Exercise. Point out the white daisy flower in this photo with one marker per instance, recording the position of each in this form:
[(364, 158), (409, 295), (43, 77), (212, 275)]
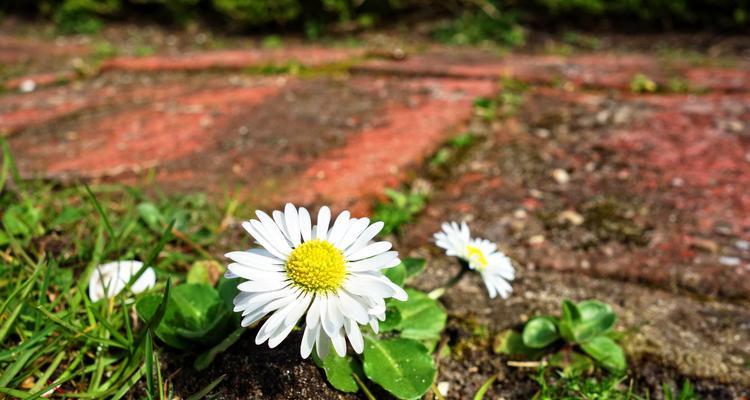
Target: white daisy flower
[(334, 275), (109, 279), (480, 254)]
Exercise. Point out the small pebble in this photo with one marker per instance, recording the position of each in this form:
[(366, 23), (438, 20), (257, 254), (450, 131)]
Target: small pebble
[(561, 176), (571, 217), (520, 213), (542, 133), (27, 86), (729, 261), (736, 126), (705, 245), (443, 387), (536, 240)]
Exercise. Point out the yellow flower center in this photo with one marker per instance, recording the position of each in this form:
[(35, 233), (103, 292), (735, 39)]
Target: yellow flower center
[(316, 266), (475, 254)]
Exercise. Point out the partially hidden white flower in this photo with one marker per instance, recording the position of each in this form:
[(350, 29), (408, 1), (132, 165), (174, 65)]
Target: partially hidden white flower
[(109, 279), (333, 275), (480, 254)]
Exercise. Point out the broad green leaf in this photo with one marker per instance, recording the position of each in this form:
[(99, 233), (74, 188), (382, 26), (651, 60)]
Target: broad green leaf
[(570, 316), (511, 343), (607, 352), (146, 307), (596, 319), (200, 312), (227, 289), (404, 367), (392, 317), (339, 371), (195, 314), (422, 318), (414, 266), (396, 274), (570, 311), (540, 332)]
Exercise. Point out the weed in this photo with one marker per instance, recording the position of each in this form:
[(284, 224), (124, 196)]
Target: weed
[(400, 209)]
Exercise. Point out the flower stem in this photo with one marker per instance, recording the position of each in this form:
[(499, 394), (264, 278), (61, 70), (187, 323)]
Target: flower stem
[(437, 293), (362, 386)]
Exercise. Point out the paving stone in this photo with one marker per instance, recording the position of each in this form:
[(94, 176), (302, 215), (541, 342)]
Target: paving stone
[(644, 188), (232, 59), (351, 175), (599, 70), (18, 50)]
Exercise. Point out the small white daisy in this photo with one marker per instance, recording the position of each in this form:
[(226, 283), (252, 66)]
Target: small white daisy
[(109, 279), (334, 275), (480, 254)]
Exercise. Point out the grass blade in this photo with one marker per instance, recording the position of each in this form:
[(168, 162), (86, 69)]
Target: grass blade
[(207, 389), (205, 359), (484, 388), (101, 212), (149, 365)]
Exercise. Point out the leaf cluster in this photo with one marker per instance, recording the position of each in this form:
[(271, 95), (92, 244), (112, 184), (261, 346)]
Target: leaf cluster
[(582, 336)]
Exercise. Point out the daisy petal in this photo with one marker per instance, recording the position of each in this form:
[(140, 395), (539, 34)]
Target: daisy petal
[(355, 336), (370, 250), (324, 218), (292, 223), (373, 263), (365, 237), (305, 225), (339, 227)]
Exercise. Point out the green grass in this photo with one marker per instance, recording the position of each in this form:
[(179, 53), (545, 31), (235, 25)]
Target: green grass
[(51, 239), (555, 385), (400, 209)]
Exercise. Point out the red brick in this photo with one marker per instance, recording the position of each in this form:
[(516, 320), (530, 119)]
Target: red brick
[(353, 175), (230, 59), (140, 138)]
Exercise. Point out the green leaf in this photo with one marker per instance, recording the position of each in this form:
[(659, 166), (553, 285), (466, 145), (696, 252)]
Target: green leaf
[(392, 317), (607, 352), (422, 318), (145, 307), (151, 216), (396, 274), (227, 289), (596, 319), (339, 371), (404, 367), (414, 266), (570, 316), (198, 273), (540, 332), (195, 314), (200, 313), (570, 311), (511, 343)]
